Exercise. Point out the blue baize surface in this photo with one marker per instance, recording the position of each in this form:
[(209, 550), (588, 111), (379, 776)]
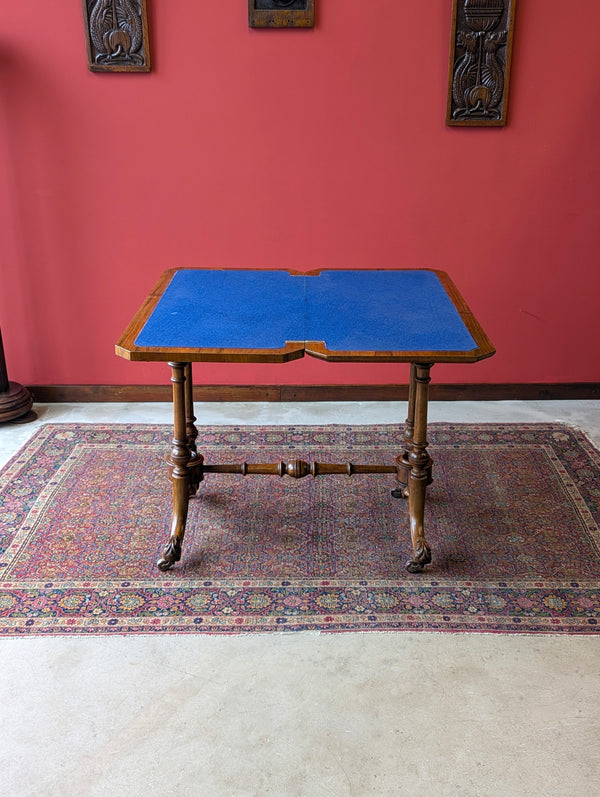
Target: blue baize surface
[(347, 310)]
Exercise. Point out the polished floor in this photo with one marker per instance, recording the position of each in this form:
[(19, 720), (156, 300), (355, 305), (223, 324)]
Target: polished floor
[(295, 715)]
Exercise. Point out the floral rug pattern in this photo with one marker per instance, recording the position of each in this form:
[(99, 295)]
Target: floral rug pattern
[(512, 517)]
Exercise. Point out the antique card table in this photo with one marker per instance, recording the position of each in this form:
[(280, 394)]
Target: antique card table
[(415, 316)]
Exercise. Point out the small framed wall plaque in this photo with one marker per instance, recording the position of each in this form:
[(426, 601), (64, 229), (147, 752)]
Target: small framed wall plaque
[(480, 55), (281, 13), (116, 35)]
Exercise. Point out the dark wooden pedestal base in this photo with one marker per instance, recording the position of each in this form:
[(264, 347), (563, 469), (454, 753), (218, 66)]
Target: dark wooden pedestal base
[(16, 404)]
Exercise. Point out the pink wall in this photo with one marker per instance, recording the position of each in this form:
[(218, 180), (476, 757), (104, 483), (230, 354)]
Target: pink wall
[(297, 149)]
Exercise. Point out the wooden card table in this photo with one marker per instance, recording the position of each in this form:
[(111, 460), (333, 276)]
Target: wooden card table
[(257, 316)]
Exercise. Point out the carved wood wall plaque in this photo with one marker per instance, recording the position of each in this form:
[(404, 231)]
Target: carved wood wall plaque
[(116, 33), (281, 13), (480, 55)]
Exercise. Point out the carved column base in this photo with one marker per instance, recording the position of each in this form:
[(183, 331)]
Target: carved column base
[(402, 477), (16, 404)]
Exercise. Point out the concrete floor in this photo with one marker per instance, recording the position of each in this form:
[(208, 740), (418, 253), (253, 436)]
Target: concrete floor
[(302, 714)]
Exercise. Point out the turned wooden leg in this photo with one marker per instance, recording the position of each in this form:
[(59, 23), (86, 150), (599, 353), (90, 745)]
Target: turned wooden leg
[(196, 460), (179, 472), (401, 490), (190, 418), (420, 472)]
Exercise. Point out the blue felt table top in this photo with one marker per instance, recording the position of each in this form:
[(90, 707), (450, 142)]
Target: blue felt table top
[(348, 310)]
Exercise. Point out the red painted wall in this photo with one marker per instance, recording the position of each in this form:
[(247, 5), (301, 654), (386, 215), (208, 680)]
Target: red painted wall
[(297, 149)]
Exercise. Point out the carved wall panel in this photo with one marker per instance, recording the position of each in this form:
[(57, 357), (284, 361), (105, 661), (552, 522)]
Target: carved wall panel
[(281, 13), (116, 33), (480, 55)]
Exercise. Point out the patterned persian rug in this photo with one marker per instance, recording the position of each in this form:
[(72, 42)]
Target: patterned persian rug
[(512, 518)]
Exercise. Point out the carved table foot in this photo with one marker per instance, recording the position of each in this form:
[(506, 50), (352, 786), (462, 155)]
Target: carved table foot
[(416, 508), (170, 555), (421, 557)]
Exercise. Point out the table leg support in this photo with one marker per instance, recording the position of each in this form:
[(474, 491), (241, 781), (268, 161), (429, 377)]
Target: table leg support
[(178, 467), (196, 460), (420, 470), (401, 490)]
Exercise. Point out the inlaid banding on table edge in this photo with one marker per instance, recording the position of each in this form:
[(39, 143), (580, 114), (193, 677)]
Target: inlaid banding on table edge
[(343, 314)]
